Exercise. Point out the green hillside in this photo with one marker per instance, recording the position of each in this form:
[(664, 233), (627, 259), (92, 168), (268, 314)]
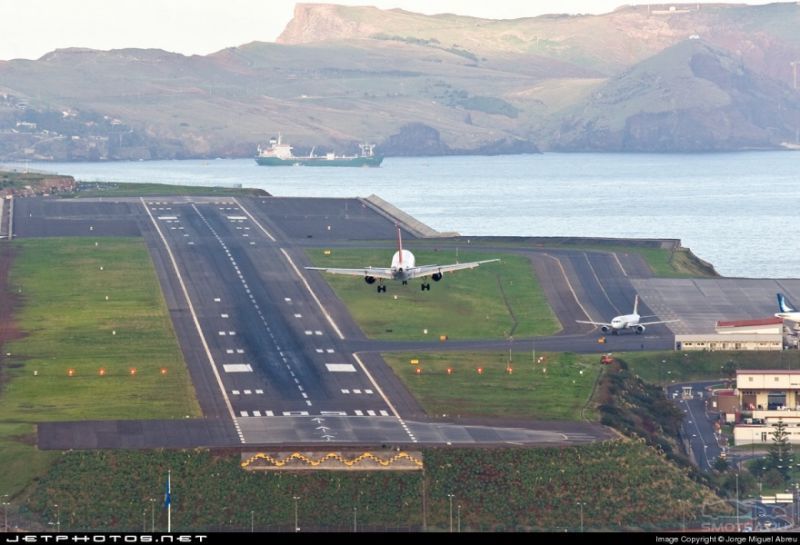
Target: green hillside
[(416, 84)]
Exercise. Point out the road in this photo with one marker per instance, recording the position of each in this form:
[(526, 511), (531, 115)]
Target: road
[(697, 428)]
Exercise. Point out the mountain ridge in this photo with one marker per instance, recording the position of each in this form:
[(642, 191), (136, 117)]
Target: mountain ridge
[(343, 75)]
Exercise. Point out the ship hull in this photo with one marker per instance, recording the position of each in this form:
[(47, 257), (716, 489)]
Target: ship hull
[(371, 161)]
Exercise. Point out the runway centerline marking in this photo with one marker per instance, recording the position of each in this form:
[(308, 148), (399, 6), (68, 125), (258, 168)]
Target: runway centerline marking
[(196, 321), (252, 301)]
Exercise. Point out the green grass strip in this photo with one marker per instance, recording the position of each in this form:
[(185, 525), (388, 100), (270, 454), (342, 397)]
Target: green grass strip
[(493, 301)]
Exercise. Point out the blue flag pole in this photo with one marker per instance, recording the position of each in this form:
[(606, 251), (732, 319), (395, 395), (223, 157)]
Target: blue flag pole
[(168, 502)]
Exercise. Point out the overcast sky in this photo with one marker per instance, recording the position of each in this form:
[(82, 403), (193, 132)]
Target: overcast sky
[(31, 28)]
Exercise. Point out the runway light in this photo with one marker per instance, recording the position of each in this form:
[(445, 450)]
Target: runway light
[(133, 371), (70, 372), (163, 370), (449, 370), (419, 370), (509, 370), (102, 372), (480, 370), (414, 362)]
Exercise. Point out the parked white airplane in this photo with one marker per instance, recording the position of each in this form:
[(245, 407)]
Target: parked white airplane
[(787, 311), (403, 268), (626, 321)]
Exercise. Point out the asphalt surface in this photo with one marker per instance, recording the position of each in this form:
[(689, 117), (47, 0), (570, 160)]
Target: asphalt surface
[(699, 303), (276, 358)]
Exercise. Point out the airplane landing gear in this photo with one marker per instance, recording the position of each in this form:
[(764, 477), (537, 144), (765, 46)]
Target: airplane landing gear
[(424, 287), (381, 288)]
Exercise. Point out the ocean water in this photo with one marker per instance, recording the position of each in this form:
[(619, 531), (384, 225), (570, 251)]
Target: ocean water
[(736, 210)]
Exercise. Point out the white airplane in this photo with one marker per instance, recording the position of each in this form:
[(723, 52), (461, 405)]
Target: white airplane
[(403, 268), (627, 321), (787, 311)]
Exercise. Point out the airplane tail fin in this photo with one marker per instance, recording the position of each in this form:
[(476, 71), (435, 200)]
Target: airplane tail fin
[(399, 244), (783, 304), (636, 304)]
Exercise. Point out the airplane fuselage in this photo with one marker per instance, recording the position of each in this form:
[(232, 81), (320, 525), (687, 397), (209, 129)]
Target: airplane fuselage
[(626, 321), (402, 261)]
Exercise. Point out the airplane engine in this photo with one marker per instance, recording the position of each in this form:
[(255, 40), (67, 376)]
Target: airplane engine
[(436, 276), (369, 279), (605, 329), (640, 329)]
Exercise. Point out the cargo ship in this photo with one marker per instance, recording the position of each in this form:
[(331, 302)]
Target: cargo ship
[(280, 154)]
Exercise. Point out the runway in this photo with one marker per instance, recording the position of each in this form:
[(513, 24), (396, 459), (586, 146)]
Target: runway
[(275, 357)]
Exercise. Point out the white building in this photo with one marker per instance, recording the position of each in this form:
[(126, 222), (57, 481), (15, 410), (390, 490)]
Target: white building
[(760, 334)]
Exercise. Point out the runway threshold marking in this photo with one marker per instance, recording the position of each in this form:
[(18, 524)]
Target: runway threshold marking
[(569, 285), (196, 322)]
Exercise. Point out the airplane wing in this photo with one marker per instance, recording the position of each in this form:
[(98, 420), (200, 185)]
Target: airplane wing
[(427, 270), (376, 272), (661, 322), (593, 323)]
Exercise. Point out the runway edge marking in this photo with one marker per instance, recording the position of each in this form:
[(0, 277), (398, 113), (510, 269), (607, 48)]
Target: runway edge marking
[(297, 272), (196, 323), (624, 272), (314, 295), (569, 284), (249, 215), (383, 395)]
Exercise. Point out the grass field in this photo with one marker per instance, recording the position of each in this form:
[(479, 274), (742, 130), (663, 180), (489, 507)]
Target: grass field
[(120, 189), (21, 461), (557, 388), (623, 484), (494, 300), (69, 325), (668, 367)]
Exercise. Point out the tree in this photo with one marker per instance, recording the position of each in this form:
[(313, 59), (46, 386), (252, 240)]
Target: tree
[(730, 370), (780, 451)]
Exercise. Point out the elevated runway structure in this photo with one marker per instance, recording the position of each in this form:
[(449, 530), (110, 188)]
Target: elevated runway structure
[(275, 357)]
